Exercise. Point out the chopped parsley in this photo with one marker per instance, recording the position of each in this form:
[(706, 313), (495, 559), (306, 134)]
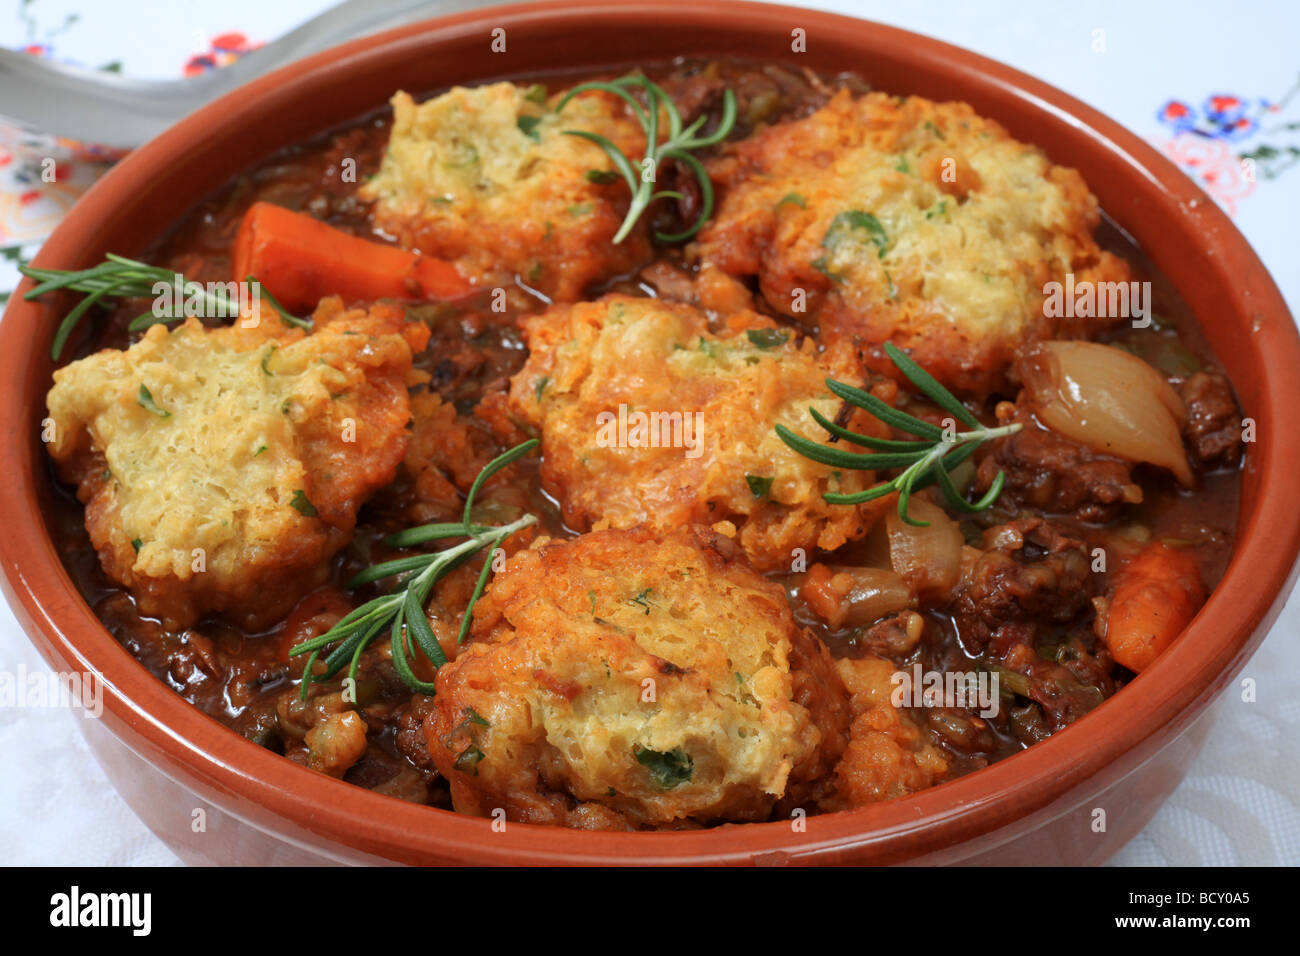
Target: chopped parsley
[(667, 770), (640, 600), (137, 543), (759, 486), (794, 199), (302, 505), (145, 400), (602, 177), (528, 126), (822, 265), (847, 224), (767, 338), (468, 760)]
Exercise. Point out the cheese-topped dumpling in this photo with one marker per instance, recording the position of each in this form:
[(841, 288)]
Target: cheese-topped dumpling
[(489, 178), (897, 219), (222, 468), (648, 417), (626, 680)]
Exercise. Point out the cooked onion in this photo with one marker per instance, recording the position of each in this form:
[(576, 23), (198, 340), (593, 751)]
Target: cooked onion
[(929, 559), (874, 592), (854, 596), (1108, 399)]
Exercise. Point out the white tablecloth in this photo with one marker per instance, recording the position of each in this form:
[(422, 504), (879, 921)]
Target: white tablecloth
[(1157, 68)]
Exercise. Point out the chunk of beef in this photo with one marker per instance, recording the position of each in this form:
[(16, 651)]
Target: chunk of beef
[(1031, 573), (1048, 472), (1213, 428)]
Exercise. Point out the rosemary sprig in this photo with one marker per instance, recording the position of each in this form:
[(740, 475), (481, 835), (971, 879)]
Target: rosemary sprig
[(401, 612), (677, 146), (924, 462), (118, 278)]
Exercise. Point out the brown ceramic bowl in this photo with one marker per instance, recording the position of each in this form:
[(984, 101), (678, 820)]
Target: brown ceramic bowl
[(168, 759)]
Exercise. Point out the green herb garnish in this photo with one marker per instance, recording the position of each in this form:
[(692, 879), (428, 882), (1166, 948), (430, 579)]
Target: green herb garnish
[(767, 338), (759, 486), (640, 599), (302, 505), (467, 760), (118, 278), (285, 316), (794, 199), (844, 226), (528, 126), (114, 279), (667, 770), (931, 459), (144, 398), (401, 611), (640, 177)]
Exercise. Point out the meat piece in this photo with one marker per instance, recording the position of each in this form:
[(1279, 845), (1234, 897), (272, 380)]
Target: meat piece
[(409, 739), (1048, 472), (671, 282), (893, 637), (1213, 428), (1030, 573), (698, 89)]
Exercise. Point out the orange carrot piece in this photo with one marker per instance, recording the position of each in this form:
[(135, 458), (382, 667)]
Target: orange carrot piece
[(301, 260), (1156, 596)]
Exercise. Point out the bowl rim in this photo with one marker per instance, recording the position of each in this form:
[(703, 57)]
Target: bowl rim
[(1016, 793)]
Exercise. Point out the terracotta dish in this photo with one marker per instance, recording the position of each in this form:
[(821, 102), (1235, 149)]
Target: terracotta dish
[(1037, 806)]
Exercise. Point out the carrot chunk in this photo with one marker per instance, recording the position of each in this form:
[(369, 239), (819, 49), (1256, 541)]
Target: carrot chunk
[(1156, 596), (301, 260)]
